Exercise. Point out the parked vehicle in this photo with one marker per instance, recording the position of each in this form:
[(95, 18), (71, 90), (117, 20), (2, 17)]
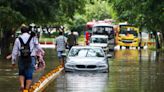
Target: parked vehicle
[(127, 35), (99, 27), (100, 41), (88, 31), (106, 30), (86, 58)]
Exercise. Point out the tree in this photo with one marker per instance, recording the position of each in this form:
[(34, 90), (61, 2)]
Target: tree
[(99, 10), (10, 21), (93, 10), (14, 12), (144, 13)]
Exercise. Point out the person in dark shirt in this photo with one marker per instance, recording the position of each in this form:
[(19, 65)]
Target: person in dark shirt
[(71, 41)]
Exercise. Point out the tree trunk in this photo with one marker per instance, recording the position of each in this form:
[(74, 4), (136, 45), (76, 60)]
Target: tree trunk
[(0, 45), (0, 40), (5, 43)]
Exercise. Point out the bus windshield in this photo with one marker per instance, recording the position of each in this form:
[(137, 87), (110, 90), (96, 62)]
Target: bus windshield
[(125, 32), (104, 30)]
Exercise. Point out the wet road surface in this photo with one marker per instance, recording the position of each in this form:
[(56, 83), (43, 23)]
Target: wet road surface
[(9, 76), (130, 71)]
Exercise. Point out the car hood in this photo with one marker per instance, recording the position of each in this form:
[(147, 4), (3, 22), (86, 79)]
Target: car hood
[(86, 60), (98, 44)]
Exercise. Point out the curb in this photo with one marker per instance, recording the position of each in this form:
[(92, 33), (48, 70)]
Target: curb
[(45, 80)]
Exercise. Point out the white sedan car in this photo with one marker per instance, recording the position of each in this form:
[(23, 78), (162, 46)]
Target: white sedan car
[(86, 58)]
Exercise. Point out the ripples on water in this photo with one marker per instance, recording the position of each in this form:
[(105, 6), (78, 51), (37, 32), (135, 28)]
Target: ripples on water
[(130, 71)]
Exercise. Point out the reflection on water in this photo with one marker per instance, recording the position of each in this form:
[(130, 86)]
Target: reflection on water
[(80, 82), (130, 71), (8, 77), (137, 71), (136, 55), (127, 55)]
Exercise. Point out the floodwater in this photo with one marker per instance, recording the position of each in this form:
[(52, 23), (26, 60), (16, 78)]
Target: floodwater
[(130, 71), (9, 76)]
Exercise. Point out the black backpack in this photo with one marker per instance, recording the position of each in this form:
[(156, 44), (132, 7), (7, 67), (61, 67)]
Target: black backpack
[(25, 48)]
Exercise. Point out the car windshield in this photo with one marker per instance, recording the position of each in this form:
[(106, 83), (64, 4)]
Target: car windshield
[(98, 40), (86, 52)]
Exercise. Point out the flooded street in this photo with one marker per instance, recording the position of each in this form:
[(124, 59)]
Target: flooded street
[(130, 71), (9, 76), (81, 46)]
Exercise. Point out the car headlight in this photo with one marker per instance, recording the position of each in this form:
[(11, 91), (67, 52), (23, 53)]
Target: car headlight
[(102, 66)]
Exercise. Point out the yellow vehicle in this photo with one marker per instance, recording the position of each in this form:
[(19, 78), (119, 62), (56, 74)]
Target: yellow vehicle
[(127, 35)]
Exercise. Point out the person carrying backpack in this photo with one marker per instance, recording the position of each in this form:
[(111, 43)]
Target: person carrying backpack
[(24, 50)]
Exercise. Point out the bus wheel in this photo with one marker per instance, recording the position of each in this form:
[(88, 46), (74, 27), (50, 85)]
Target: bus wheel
[(141, 47), (120, 47)]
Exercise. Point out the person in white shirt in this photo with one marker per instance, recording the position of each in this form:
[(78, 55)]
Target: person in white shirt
[(26, 70), (60, 45)]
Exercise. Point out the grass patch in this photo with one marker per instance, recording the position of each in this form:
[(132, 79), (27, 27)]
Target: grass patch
[(80, 39), (46, 39)]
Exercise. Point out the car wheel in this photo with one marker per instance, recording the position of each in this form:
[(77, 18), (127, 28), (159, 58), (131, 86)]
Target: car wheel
[(106, 71)]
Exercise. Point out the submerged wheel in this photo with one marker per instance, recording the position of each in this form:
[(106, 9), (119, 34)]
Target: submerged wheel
[(127, 47)]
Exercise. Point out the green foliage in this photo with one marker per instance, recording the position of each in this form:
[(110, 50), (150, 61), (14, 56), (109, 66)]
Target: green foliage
[(10, 18), (51, 35), (99, 10), (45, 11), (15, 12), (94, 9), (144, 13), (64, 12), (78, 23)]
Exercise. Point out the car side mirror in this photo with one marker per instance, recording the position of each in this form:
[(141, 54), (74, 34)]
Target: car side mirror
[(64, 54), (109, 55)]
